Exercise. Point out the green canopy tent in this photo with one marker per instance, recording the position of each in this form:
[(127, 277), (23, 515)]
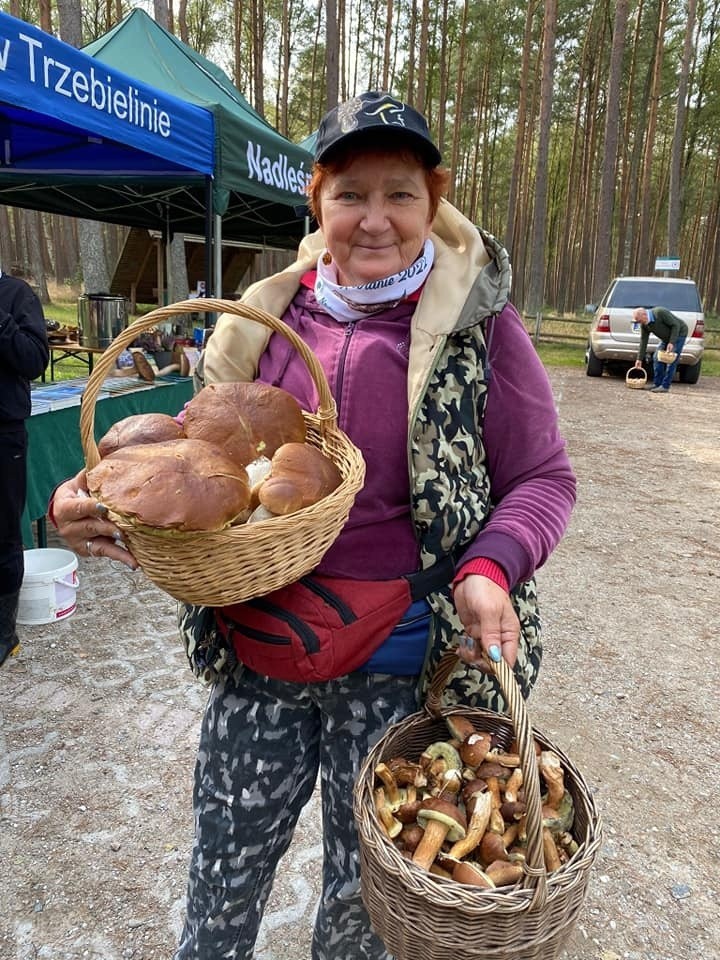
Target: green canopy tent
[(259, 176)]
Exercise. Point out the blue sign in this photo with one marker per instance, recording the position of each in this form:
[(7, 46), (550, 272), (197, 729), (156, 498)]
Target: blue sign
[(61, 109)]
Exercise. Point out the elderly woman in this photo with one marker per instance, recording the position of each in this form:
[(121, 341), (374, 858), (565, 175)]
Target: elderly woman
[(468, 490)]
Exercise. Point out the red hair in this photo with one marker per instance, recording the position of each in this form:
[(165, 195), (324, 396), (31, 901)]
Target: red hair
[(437, 178)]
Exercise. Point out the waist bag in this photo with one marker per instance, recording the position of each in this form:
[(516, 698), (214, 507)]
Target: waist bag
[(323, 627)]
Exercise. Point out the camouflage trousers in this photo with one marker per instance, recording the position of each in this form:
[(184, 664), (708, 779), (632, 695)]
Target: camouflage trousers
[(261, 746)]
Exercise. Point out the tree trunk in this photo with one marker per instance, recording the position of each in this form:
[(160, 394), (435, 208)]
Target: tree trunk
[(676, 192), (422, 57), (459, 91), (521, 135), (160, 12), (608, 182), (385, 84), (644, 254), (258, 55), (537, 247), (34, 232), (332, 77), (96, 276)]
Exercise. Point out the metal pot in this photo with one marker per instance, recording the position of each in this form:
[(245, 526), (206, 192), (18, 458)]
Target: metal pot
[(101, 317)]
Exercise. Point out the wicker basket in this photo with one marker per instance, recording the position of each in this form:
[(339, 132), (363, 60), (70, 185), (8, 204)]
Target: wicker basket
[(418, 914), (666, 356), (635, 378), (248, 560)]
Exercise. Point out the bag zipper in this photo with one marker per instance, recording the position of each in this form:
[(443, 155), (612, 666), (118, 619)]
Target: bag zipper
[(346, 614), (308, 637)]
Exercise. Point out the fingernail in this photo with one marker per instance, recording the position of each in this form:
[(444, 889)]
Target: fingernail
[(495, 654)]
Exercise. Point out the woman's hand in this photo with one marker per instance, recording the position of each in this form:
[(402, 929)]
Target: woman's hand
[(82, 523), (489, 619), (638, 364)]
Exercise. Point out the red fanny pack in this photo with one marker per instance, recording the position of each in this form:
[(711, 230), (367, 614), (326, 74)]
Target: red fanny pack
[(322, 627)]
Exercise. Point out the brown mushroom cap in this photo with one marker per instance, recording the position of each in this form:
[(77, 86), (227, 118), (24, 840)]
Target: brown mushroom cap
[(173, 485), (471, 873), (247, 420), (139, 428), (460, 727), (504, 874), (445, 812), (475, 748)]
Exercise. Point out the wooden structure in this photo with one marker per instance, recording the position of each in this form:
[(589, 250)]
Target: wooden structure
[(140, 271)]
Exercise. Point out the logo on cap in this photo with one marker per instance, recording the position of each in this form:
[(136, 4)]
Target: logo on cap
[(388, 110)]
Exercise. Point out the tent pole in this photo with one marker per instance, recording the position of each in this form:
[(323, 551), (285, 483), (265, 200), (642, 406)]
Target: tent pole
[(218, 256), (209, 225)]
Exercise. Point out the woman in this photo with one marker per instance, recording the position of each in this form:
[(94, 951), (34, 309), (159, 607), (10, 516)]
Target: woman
[(406, 306)]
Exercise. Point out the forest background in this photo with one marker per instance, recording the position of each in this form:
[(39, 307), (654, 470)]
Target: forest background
[(584, 134)]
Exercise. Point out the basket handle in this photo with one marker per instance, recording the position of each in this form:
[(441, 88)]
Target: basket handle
[(535, 876), (326, 412)]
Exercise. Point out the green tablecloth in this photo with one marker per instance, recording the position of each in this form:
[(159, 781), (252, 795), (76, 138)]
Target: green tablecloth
[(54, 447)]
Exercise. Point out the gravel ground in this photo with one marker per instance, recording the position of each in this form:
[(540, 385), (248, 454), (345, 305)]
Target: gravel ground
[(99, 718)]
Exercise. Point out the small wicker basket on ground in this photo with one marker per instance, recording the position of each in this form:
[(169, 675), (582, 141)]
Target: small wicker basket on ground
[(666, 356), (248, 560), (420, 915), (635, 378)]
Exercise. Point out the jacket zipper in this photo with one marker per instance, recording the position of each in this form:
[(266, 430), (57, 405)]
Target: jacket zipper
[(349, 328)]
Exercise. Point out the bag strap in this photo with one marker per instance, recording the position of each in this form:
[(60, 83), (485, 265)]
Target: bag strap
[(424, 582)]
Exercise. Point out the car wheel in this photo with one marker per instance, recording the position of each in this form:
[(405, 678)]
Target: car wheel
[(690, 374), (594, 364)]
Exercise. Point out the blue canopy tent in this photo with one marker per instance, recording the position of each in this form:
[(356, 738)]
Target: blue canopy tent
[(62, 112), (83, 139)]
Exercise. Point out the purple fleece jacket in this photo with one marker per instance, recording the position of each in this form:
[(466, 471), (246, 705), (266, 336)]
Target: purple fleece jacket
[(532, 482)]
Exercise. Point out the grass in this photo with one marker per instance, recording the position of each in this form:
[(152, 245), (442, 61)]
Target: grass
[(571, 353), (555, 353)]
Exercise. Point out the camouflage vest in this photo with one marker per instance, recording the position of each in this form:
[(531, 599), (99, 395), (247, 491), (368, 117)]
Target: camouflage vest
[(451, 502)]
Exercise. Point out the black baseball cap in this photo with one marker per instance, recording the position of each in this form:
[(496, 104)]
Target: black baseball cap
[(374, 113)]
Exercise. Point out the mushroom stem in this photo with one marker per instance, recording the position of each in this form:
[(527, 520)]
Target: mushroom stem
[(550, 851), (476, 828), (552, 773), (433, 839), (515, 781), (384, 773)]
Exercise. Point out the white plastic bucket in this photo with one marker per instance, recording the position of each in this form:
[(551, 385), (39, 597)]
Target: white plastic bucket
[(49, 587)]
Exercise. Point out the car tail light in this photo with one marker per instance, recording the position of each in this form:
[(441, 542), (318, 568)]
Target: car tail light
[(699, 330), (603, 325)]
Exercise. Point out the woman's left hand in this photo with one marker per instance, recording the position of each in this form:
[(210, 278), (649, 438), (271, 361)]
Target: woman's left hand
[(489, 618)]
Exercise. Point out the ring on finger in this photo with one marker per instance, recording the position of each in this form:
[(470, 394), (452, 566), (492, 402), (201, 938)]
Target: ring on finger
[(88, 547)]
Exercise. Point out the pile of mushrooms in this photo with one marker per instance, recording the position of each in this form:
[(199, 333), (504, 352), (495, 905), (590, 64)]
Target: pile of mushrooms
[(459, 810)]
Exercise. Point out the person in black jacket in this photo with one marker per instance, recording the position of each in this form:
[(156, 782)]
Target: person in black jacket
[(24, 355), (672, 332)]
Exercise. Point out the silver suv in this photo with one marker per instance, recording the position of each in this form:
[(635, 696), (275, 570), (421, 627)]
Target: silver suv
[(615, 337)]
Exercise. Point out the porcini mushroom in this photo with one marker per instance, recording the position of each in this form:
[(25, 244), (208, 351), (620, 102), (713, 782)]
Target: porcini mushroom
[(407, 773), (440, 819), (384, 773), (552, 773), (460, 727), (492, 848), (550, 851), (468, 872), (474, 749), (385, 814), (476, 827), (503, 873)]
